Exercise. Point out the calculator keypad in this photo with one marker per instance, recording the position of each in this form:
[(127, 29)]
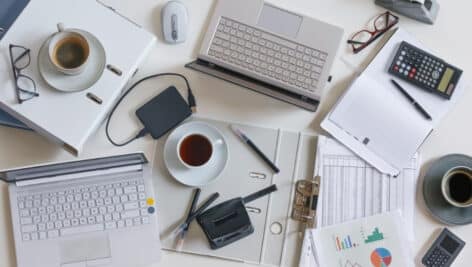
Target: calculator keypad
[(417, 67), (437, 258)]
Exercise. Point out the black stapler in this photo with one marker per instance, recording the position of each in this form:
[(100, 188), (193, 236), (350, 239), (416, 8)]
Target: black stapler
[(229, 221)]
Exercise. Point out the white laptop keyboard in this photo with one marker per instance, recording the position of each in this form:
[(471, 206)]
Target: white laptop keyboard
[(267, 54), (84, 208)]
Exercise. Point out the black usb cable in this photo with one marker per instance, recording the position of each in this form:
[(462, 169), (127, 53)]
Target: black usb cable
[(143, 132)]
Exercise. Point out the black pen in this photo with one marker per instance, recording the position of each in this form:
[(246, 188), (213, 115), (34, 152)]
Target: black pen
[(412, 100), (251, 144), (181, 238)]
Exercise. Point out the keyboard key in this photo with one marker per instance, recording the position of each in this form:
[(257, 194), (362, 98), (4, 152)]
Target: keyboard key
[(131, 206), (53, 234), (26, 220), (110, 225), (129, 214), (29, 228), (26, 237)]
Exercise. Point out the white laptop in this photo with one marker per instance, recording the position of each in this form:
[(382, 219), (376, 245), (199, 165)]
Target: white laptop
[(270, 50), (97, 212)]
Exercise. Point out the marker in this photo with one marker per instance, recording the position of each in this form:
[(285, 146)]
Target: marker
[(251, 144)]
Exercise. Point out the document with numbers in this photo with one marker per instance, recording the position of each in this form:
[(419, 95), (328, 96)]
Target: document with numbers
[(350, 188)]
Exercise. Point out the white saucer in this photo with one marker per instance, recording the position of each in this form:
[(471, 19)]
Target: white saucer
[(68, 83), (196, 176)]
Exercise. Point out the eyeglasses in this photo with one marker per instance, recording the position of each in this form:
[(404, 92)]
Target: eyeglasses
[(24, 85), (382, 23)]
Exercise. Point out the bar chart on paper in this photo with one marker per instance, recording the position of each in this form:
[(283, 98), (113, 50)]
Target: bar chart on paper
[(344, 243), (383, 245)]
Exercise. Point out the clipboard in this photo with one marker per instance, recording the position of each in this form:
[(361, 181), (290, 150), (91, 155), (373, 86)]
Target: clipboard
[(292, 152)]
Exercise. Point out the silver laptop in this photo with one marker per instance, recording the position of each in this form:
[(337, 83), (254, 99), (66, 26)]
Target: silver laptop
[(98, 212), (269, 49)]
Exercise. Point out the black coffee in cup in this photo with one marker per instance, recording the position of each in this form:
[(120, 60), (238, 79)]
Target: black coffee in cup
[(456, 186), (195, 150), (71, 52), (460, 187)]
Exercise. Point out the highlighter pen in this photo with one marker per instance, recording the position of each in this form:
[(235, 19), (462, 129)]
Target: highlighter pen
[(251, 144)]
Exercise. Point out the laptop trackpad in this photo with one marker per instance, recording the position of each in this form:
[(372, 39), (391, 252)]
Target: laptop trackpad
[(89, 251)]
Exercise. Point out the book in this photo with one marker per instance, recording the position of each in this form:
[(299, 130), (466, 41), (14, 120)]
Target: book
[(10, 121)]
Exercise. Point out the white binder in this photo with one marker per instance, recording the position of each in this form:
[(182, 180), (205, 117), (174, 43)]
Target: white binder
[(69, 119), (245, 173)]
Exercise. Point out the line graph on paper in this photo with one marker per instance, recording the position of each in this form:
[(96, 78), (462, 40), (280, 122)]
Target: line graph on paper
[(352, 189), (348, 263)]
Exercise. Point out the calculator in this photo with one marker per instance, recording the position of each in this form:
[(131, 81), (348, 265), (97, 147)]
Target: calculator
[(425, 70), (444, 250)]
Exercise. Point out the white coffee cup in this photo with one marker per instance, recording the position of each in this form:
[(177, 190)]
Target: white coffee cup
[(195, 150), (456, 186), (69, 51)]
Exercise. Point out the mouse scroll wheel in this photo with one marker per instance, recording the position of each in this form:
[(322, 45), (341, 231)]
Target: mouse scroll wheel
[(174, 24)]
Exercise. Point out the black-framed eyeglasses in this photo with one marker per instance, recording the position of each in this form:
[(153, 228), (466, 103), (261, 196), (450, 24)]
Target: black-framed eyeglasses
[(25, 86), (363, 38)]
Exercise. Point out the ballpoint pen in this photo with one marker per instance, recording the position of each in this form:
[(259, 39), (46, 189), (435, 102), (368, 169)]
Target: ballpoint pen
[(412, 100), (181, 227), (181, 238), (251, 144)]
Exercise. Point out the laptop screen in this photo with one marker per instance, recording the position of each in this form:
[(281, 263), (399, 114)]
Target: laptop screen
[(71, 168), (9, 11)]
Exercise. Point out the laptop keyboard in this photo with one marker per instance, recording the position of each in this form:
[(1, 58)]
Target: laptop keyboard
[(267, 55), (81, 209)]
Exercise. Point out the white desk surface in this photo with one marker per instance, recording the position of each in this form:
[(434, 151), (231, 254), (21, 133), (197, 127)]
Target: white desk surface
[(449, 38)]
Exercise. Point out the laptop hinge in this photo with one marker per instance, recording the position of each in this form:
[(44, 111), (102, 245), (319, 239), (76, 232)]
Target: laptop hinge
[(81, 175), (254, 84), (74, 168)]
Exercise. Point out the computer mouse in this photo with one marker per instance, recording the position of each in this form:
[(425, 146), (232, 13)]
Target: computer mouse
[(174, 22)]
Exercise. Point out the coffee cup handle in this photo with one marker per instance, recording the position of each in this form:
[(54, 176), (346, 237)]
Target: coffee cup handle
[(60, 27)]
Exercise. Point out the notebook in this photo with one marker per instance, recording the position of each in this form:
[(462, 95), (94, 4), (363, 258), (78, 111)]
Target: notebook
[(69, 119), (10, 121), (375, 120)]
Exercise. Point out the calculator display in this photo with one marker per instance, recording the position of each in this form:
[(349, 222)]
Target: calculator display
[(445, 80), (449, 244)]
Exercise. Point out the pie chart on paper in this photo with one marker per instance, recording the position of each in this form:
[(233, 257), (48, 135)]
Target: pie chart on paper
[(381, 257)]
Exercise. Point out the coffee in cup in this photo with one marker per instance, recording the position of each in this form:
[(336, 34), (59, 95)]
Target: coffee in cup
[(195, 150), (456, 186), (69, 51)]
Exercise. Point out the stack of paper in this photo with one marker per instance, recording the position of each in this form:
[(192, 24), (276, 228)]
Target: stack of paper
[(373, 241), (352, 189)]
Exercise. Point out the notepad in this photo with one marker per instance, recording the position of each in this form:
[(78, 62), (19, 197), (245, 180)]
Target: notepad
[(377, 122)]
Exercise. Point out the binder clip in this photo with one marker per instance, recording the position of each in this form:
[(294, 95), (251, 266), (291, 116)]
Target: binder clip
[(305, 201), (426, 12), (229, 221)]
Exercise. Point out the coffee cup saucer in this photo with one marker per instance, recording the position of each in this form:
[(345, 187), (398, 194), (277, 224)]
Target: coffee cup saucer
[(73, 83), (434, 200), (202, 175)]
